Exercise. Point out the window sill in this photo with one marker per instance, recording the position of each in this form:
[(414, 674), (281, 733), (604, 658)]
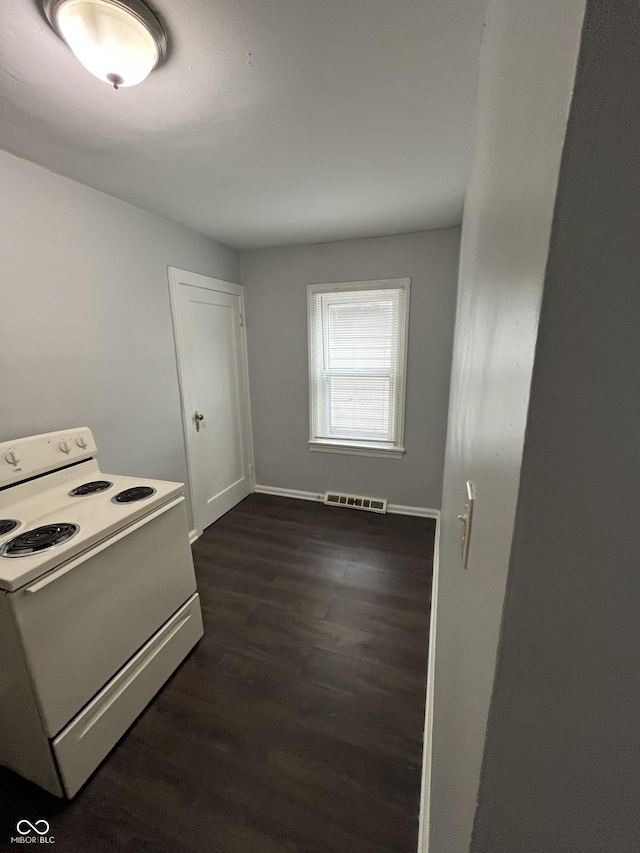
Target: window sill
[(362, 448)]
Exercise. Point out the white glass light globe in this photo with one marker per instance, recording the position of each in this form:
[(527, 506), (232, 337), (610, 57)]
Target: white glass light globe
[(111, 42)]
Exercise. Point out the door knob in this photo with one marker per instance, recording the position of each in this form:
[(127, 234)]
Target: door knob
[(198, 418)]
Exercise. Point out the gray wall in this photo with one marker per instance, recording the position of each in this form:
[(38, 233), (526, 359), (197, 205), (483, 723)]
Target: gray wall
[(526, 76), (275, 292), (86, 334), (562, 770)]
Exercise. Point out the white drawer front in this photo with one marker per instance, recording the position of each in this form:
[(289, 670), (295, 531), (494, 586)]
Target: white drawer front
[(77, 627), (81, 746)]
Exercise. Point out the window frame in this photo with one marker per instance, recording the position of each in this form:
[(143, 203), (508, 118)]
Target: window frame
[(356, 446)]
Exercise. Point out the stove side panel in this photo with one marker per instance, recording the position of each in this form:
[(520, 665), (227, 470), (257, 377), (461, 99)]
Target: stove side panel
[(24, 747)]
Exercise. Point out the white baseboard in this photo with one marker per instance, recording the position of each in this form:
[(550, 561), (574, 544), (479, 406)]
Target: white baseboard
[(193, 535), (427, 748), (397, 509), (289, 493), (420, 511)]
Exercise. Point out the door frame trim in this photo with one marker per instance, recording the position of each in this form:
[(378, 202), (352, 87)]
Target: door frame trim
[(177, 278), (424, 820)]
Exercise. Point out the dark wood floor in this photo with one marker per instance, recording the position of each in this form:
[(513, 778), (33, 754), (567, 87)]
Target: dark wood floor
[(296, 724)]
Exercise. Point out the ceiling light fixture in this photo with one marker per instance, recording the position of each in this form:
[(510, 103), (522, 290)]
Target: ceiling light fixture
[(118, 42)]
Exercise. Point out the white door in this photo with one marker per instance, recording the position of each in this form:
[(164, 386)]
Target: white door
[(208, 318)]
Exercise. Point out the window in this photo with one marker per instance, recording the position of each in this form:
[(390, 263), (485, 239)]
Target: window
[(357, 366)]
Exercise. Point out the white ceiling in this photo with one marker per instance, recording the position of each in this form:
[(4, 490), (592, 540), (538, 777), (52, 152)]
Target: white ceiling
[(272, 121)]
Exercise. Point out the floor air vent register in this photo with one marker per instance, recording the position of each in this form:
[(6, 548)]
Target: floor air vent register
[(356, 502)]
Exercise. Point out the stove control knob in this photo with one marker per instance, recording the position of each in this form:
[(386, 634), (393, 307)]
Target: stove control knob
[(81, 441), (65, 446), (12, 457)]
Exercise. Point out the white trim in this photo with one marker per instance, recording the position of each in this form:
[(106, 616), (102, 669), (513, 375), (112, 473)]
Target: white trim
[(427, 748), (379, 283), (193, 535), (397, 450), (289, 493), (245, 354), (325, 446), (178, 277), (394, 509), (420, 511), (208, 282)]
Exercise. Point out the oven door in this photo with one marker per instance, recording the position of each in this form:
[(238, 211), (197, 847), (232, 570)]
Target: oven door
[(81, 622)]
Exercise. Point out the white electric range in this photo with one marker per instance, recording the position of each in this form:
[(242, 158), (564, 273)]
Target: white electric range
[(98, 604)]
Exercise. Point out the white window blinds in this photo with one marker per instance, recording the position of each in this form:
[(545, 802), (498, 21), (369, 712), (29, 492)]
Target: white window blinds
[(357, 362)]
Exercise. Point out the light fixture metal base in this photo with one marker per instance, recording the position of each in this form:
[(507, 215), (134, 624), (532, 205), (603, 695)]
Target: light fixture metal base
[(136, 8)]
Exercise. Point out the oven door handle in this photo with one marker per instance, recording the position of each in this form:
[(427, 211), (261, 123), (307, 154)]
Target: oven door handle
[(73, 564)]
